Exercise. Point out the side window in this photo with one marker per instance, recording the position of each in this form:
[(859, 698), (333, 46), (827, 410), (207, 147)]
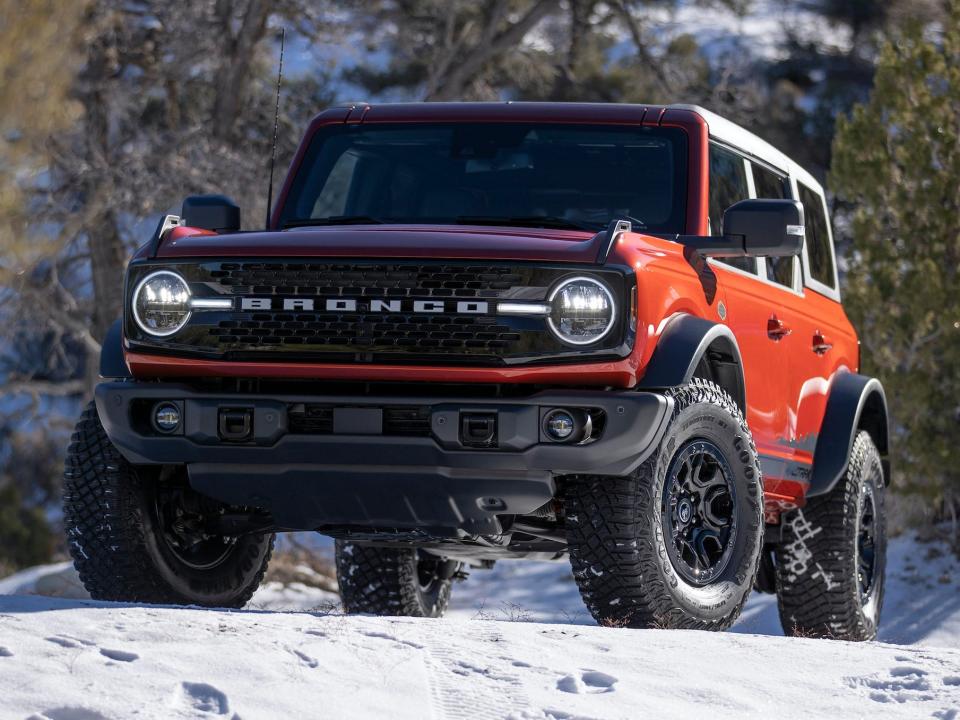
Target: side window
[(770, 185), (819, 252), (728, 185)]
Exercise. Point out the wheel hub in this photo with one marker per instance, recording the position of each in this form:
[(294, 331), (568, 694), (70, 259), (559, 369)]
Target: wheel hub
[(698, 512), (183, 518), (432, 570)]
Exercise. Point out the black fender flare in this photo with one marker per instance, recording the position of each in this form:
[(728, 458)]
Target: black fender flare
[(112, 364), (855, 402), (683, 343)]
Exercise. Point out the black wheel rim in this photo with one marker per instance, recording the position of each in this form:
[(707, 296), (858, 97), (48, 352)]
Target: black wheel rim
[(867, 546), (699, 512), (181, 516), (428, 572)]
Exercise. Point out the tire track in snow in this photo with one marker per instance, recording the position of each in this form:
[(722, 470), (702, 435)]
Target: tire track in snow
[(471, 690)]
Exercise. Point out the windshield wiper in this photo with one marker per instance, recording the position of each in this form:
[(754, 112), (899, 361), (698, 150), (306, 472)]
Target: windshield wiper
[(542, 221), (335, 220)]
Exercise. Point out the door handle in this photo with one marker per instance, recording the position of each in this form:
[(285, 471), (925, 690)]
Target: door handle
[(776, 330), (821, 345)]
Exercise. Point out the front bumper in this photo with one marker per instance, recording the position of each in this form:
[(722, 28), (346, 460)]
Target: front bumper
[(352, 475)]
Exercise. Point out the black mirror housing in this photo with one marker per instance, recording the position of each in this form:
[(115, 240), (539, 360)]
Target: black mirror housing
[(211, 212), (755, 228), (770, 228)]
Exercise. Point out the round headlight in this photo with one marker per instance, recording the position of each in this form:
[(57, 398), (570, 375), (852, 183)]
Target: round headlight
[(161, 303), (583, 311)]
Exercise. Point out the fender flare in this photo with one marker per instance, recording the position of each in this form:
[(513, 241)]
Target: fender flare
[(683, 343), (112, 363), (856, 402)]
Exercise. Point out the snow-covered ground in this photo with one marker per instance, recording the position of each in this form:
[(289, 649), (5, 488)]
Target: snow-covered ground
[(516, 644)]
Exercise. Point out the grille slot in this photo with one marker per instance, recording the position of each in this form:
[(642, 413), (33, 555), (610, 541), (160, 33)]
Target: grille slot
[(373, 281), (316, 419)]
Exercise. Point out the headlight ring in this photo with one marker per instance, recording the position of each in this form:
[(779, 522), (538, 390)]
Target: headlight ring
[(584, 310), (161, 303)]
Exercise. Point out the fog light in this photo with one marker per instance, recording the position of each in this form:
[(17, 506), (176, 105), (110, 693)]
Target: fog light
[(559, 425), (166, 417)]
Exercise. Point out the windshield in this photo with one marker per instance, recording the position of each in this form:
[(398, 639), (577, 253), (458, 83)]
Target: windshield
[(523, 174)]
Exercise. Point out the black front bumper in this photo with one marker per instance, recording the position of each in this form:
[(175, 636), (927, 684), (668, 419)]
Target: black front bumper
[(352, 475)]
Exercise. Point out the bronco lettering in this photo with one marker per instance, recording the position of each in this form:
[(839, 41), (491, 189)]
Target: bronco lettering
[(470, 307)]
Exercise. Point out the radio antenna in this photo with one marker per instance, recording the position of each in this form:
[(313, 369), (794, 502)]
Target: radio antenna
[(276, 127)]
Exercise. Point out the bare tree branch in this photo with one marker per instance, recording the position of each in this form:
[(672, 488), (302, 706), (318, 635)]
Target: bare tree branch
[(491, 44)]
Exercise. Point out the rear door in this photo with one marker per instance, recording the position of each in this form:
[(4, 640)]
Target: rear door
[(825, 339)]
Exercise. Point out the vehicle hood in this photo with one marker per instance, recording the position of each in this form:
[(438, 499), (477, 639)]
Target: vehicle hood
[(391, 241)]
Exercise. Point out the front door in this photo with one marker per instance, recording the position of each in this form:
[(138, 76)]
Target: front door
[(753, 315)]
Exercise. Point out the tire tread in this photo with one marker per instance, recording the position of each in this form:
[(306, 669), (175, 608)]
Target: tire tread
[(616, 571), (104, 524)]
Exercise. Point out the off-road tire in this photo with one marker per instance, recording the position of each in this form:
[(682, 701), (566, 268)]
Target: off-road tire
[(818, 592), (113, 539), (616, 535), (385, 581)]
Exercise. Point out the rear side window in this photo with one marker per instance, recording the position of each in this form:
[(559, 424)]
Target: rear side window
[(771, 186), (728, 185), (819, 252)]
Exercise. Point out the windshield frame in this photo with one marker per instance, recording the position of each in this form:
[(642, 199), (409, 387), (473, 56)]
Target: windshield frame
[(284, 216)]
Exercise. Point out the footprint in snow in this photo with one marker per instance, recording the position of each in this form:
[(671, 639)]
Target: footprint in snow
[(905, 683), (68, 642), (204, 699), (387, 636), (590, 681), (305, 659), (119, 655), (4, 652), (69, 713)]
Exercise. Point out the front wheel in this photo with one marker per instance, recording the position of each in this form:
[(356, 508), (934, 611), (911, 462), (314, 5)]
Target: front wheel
[(137, 538), (393, 581), (675, 544), (831, 562)]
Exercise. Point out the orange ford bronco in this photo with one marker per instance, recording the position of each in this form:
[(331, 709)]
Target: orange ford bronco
[(476, 332)]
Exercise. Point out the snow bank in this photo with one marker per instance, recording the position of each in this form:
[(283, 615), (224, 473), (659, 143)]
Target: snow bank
[(66, 659), (69, 659), (764, 32)]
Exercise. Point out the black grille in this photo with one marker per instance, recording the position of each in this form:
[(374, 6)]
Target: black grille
[(315, 419), (374, 281), (453, 332), (328, 311)]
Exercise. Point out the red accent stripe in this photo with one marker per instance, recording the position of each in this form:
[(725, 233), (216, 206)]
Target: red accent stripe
[(622, 373)]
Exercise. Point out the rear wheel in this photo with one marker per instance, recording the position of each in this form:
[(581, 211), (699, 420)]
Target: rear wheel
[(676, 543), (831, 563), (138, 538), (393, 581)]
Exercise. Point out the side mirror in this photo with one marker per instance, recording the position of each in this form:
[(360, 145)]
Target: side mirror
[(771, 228), (211, 212)]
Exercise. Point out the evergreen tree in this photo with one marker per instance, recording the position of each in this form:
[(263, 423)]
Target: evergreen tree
[(897, 159)]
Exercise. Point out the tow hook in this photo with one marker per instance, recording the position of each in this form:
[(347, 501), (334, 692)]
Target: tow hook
[(235, 424)]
